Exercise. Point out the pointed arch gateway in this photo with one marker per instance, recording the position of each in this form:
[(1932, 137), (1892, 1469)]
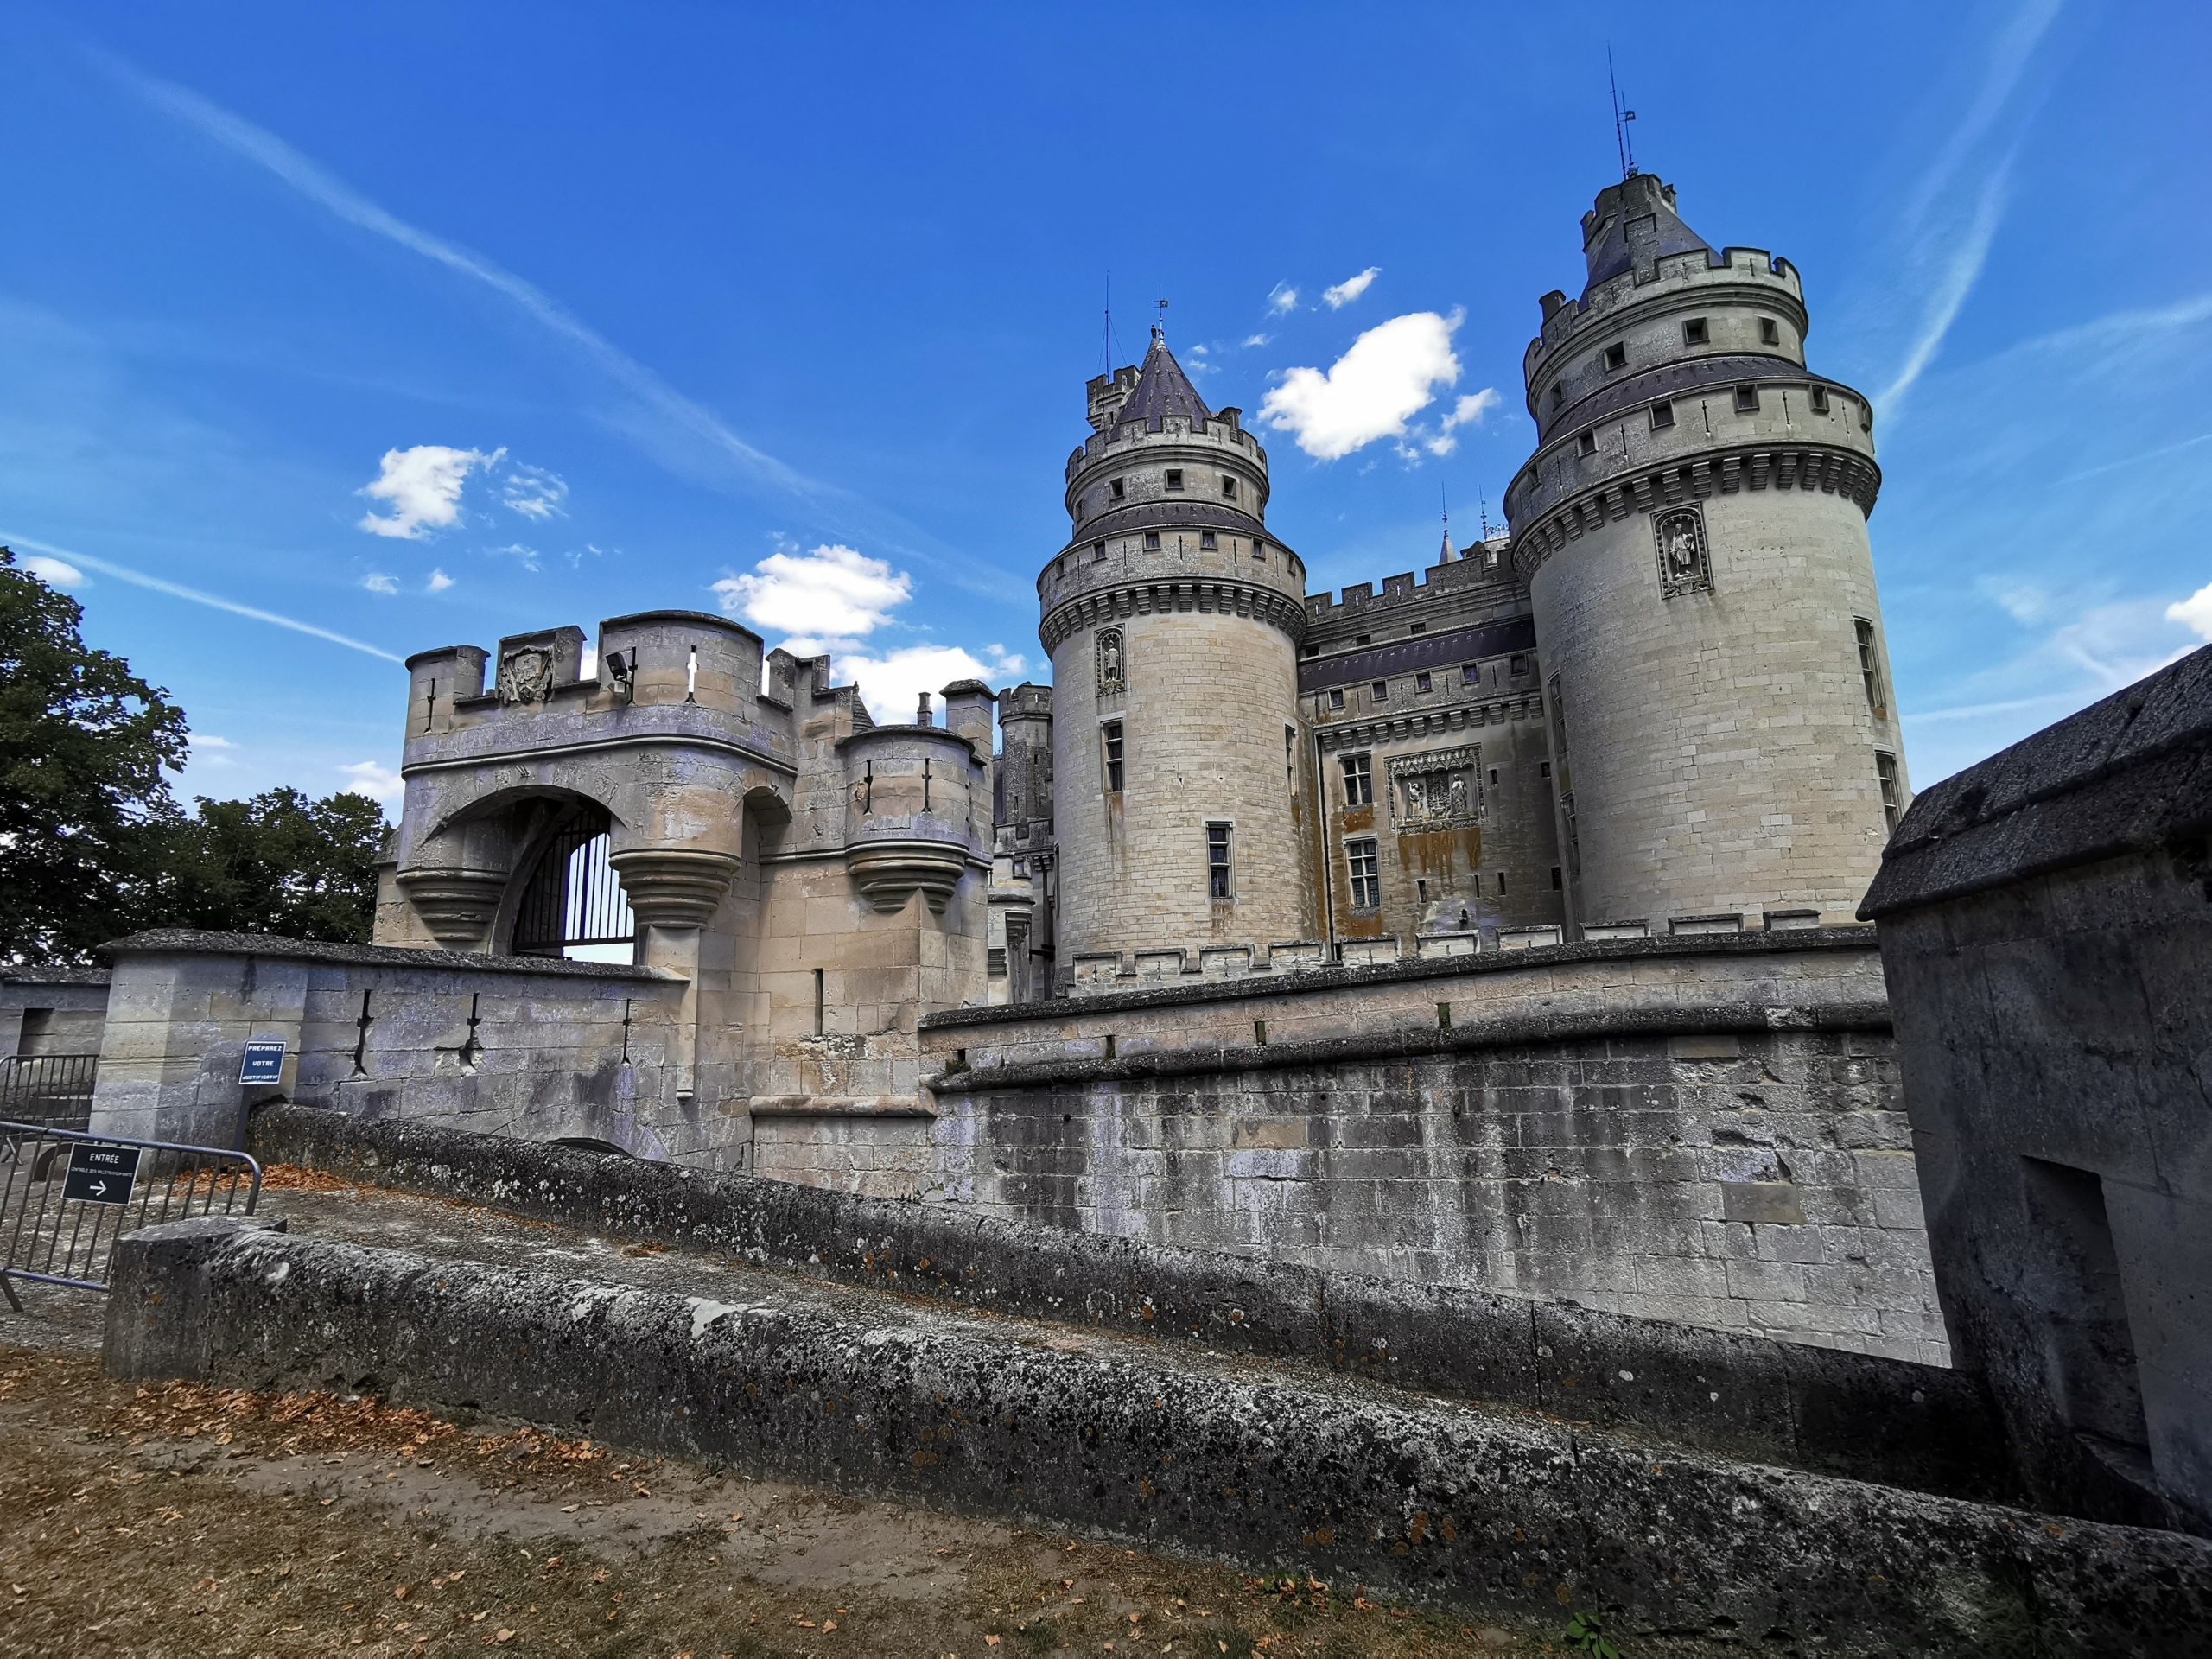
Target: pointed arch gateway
[(573, 905)]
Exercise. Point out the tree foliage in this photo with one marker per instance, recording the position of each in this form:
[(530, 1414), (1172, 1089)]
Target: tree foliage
[(93, 845), (84, 746)]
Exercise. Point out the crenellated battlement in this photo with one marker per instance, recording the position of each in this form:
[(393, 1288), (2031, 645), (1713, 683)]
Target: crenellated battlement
[(1471, 569)]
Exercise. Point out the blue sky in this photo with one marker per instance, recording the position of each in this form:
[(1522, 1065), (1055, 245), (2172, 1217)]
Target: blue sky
[(399, 327)]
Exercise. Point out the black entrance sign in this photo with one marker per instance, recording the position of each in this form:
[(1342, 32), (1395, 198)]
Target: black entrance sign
[(100, 1174)]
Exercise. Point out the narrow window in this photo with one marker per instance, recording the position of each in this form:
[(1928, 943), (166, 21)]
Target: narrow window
[(818, 1001), (1366, 877), (1380, 691), (1586, 444), (1115, 486), (1693, 332), (1544, 768), (1501, 884), (1361, 638), (1152, 541), (1418, 627), (1472, 674), (1206, 542), (1422, 683), (1111, 731), (1559, 397), (1217, 862), (1336, 699), (1819, 397), (1869, 668), (1662, 416), (1359, 780), (1493, 777), (1885, 769), (1770, 333), (1747, 399), (1097, 552), (1421, 887), (1520, 665), (1227, 487), (1615, 357), (1557, 885), (1175, 478), (1259, 550)]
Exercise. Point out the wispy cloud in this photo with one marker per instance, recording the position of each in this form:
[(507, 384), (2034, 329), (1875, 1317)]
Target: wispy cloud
[(678, 432), (1282, 299), (138, 578), (377, 582), (1338, 295), (1969, 252), (534, 492)]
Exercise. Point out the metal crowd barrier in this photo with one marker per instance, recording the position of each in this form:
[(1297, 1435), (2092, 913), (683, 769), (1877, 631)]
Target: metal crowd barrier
[(66, 1196), (55, 1090)]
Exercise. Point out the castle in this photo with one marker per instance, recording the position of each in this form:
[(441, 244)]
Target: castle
[(1657, 705)]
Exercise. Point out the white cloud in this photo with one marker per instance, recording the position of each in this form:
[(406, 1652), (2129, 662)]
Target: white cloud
[(1470, 409), (832, 593), (374, 780), (2194, 612), (54, 573), (209, 740), (892, 685), (1371, 391), (1283, 298), (377, 582), (534, 492), (1340, 295), (521, 554), (438, 583), (422, 485), (1257, 339)]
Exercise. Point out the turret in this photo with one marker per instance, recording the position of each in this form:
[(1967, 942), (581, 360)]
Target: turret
[(1693, 533), (1173, 617)]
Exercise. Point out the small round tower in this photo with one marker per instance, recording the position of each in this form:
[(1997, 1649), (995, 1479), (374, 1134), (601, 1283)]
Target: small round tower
[(1172, 619), (1693, 533)]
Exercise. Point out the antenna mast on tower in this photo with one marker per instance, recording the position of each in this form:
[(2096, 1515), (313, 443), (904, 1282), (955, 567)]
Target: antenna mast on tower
[(1621, 144)]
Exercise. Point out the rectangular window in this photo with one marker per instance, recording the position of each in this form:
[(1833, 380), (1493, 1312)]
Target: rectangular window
[(1586, 444), (1418, 627), (1616, 356), (1769, 333), (1693, 332), (1336, 699), (1227, 487), (1520, 667), (1869, 665), (1361, 638), (1557, 885), (1559, 397), (1115, 486), (1259, 550), (1366, 874), (1097, 552), (1747, 399), (1544, 768), (1472, 674), (1206, 542), (1662, 416), (1217, 862), (1501, 884), (1380, 691), (1820, 400), (1885, 769), (1175, 478), (1493, 777), (1152, 541), (1359, 780), (1111, 734), (1422, 683)]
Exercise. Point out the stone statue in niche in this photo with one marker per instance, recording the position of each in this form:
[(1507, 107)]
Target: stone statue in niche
[(1112, 675), (1683, 567), (526, 676)]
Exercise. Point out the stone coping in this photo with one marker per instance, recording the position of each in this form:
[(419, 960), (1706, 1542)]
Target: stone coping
[(2133, 773), (1819, 1408), (53, 974), (1493, 1031), (1847, 937), (181, 941)]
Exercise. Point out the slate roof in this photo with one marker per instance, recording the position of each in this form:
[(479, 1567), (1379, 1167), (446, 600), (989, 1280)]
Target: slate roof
[(1419, 650), (1640, 226), (1163, 390)]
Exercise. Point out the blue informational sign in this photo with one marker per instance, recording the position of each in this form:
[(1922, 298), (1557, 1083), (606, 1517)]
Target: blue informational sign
[(263, 1062)]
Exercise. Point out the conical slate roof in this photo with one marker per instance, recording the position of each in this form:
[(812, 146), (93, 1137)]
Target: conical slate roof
[(1163, 390), (1634, 224)]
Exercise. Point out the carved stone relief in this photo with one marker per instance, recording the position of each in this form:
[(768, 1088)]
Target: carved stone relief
[(526, 676), (1683, 566), (1438, 790), (1113, 675)]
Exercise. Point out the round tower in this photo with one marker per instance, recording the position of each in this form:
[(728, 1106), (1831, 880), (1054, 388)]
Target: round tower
[(1693, 533), (1172, 619)]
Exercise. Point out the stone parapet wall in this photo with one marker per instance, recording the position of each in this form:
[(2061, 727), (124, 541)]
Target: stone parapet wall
[(1703, 1131)]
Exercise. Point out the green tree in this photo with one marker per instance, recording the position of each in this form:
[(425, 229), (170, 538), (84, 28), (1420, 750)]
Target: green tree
[(83, 745), (279, 863)]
